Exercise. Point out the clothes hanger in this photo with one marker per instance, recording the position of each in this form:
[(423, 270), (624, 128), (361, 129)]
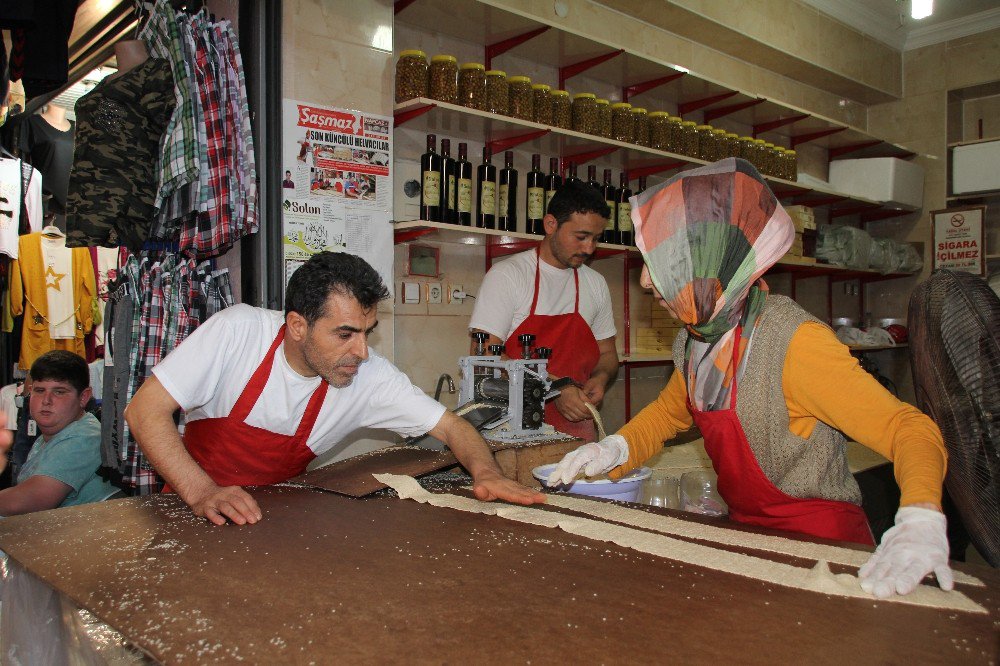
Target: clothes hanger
[(52, 231)]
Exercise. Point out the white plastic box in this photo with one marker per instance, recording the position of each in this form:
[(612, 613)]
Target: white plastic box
[(975, 168), (889, 180)]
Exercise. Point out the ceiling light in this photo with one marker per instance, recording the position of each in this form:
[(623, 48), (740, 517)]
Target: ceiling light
[(921, 8)]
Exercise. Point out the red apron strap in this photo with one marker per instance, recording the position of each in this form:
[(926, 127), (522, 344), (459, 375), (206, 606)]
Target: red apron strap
[(254, 387), (736, 365), (576, 281), (312, 411), (538, 268)]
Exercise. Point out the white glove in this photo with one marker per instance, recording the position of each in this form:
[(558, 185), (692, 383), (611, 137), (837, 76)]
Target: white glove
[(597, 457), (913, 548)]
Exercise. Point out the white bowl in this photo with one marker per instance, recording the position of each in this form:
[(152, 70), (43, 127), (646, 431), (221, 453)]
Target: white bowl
[(625, 489)]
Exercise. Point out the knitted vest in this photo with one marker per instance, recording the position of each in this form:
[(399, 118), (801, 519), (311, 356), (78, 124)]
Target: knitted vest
[(805, 468)]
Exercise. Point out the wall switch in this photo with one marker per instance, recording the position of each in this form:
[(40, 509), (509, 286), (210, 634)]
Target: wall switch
[(434, 292), (411, 292), (456, 294)]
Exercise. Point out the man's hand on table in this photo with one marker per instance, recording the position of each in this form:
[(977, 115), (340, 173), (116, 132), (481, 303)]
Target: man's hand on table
[(217, 504), (915, 547), (490, 485)]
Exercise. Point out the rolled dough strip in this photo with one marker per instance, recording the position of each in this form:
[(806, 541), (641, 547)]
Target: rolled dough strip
[(817, 579)]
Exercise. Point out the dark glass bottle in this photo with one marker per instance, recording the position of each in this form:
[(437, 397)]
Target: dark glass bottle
[(430, 182), (571, 176), (608, 191), (624, 212), (553, 181), (592, 177), (463, 188), (486, 192), (448, 184), (507, 194), (535, 200)]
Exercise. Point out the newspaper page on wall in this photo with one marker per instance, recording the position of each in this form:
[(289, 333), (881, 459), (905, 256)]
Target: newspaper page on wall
[(336, 189)]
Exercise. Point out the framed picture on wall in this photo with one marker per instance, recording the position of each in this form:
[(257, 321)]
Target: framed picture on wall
[(959, 239), (424, 260)]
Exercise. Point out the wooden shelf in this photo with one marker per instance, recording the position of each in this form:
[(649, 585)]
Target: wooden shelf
[(646, 358), (462, 123), (480, 24), (956, 144)]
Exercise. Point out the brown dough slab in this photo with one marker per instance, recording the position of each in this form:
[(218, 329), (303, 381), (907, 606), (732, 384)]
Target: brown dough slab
[(353, 476), (329, 579)]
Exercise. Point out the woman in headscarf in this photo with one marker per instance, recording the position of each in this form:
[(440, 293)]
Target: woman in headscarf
[(770, 387)]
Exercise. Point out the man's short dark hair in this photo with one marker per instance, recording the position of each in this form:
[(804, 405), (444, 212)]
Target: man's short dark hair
[(577, 197), (61, 366), (332, 272)]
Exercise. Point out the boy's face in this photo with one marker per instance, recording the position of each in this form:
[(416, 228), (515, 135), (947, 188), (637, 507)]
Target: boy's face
[(55, 404)]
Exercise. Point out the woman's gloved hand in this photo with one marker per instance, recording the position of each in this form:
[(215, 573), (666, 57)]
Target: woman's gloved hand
[(916, 546), (594, 458)]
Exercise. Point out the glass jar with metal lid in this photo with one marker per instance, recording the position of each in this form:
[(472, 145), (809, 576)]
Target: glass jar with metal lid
[(521, 100), (744, 148), (780, 163), (688, 138), (444, 78), (719, 139), (758, 152), (622, 123), (640, 122), (732, 145), (585, 112), (676, 135), (793, 165), (770, 161), (603, 128), (562, 110), (496, 91), (472, 85), (411, 75), (659, 130), (706, 142), (543, 103)]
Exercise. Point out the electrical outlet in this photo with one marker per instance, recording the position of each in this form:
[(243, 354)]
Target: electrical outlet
[(456, 294), (434, 292)]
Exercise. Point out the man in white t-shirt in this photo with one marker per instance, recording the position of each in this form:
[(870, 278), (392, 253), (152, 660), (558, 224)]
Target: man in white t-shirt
[(552, 294), (265, 393)]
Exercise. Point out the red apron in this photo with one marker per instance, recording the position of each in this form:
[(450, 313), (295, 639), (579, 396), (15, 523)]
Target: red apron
[(751, 496), (574, 352), (234, 453)]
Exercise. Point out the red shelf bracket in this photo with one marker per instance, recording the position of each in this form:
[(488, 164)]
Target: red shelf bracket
[(775, 124), (497, 146), (400, 5), (569, 71), (851, 210), (845, 150), (805, 138), (687, 107), (501, 47), (638, 88), (401, 117), (712, 114), (884, 215), (410, 234), (650, 169), (816, 202), (580, 158), (785, 194)]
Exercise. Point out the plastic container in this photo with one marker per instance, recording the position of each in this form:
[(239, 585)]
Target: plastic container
[(699, 493), (603, 122), (520, 98), (562, 110), (622, 123), (472, 85), (585, 112), (626, 489), (411, 75), (497, 91), (663, 491), (542, 97), (640, 122), (444, 78)]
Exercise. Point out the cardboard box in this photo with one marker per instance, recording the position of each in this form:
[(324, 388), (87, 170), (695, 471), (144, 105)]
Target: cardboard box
[(802, 216), (889, 180)]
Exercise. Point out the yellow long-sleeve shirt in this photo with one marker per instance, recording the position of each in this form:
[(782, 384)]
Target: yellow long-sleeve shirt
[(821, 381)]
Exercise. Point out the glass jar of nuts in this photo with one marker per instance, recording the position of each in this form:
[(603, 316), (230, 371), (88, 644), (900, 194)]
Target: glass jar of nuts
[(562, 110), (640, 123), (520, 98), (603, 118), (622, 124), (496, 91), (444, 78), (732, 145), (659, 130), (472, 85), (676, 135), (411, 75), (706, 143), (542, 103), (688, 138), (585, 112)]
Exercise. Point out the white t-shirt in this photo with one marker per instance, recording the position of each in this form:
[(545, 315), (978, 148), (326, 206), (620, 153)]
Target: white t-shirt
[(207, 373), (10, 189), (504, 299)]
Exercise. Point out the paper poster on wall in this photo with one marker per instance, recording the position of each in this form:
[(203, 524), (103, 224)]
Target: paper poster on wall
[(959, 240), (336, 185)]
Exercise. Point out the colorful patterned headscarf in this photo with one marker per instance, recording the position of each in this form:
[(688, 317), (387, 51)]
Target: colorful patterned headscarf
[(707, 236)]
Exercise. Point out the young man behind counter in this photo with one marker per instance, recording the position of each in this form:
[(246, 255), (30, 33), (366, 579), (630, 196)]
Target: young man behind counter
[(552, 294), (265, 392)]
